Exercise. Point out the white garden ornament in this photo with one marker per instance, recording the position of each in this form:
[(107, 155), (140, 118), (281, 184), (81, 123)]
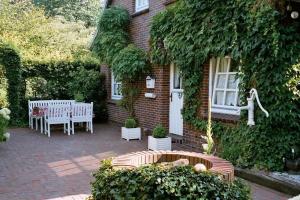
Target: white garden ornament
[(250, 107)]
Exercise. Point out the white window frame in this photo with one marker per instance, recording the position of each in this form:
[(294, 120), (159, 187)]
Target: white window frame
[(113, 83), (141, 5), (213, 72)]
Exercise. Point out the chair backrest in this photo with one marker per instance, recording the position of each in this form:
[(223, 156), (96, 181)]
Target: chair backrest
[(39, 104), (82, 111), (61, 102), (58, 113), (46, 103)]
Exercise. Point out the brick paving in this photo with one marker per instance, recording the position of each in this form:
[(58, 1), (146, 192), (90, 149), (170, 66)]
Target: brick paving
[(34, 167)]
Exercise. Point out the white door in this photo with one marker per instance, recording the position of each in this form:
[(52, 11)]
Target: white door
[(176, 101)]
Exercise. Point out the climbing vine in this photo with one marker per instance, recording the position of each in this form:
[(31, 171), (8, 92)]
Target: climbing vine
[(128, 62), (256, 33), (11, 60)]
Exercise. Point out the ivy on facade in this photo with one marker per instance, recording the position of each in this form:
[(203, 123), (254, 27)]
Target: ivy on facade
[(113, 47), (255, 32)]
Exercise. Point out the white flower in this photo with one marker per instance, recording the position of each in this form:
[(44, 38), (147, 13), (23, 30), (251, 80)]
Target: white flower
[(2, 112), (7, 117), (7, 111), (7, 136)]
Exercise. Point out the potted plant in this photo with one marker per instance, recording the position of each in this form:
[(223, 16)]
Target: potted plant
[(159, 139), (131, 131)]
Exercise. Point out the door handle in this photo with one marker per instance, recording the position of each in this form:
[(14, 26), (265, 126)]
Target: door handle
[(171, 96)]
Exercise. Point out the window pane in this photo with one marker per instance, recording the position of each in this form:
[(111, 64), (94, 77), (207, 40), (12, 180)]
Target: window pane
[(221, 79), (230, 99), (223, 64), (177, 78), (219, 98), (232, 82)]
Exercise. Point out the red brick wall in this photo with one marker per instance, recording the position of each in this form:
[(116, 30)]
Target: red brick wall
[(150, 112)]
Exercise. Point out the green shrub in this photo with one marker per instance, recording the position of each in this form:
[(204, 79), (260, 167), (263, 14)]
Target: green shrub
[(130, 123), (11, 60), (89, 86), (159, 132), (154, 182), (80, 80), (112, 34), (130, 64), (114, 18)]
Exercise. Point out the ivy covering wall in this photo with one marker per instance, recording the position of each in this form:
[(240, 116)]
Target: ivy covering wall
[(128, 62), (257, 33)]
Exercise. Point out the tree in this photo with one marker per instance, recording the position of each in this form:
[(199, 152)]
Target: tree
[(73, 10), (39, 37)]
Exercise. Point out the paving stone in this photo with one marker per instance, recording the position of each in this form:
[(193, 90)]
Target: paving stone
[(34, 166)]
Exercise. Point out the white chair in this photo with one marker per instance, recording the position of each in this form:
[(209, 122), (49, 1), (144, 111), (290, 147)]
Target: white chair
[(31, 115), (82, 112), (57, 114)]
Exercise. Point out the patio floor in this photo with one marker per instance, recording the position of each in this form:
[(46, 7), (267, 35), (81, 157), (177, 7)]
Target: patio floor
[(34, 167)]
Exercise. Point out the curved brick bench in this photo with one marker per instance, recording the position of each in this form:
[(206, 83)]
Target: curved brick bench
[(212, 163)]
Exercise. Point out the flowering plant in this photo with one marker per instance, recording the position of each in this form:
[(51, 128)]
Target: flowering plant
[(4, 119)]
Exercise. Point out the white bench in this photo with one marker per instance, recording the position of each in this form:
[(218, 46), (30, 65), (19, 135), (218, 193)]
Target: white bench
[(43, 104), (65, 112)]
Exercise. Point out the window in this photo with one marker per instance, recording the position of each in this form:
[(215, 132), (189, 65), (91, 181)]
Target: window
[(177, 78), (224, 83), (141, 5), (115, 88)]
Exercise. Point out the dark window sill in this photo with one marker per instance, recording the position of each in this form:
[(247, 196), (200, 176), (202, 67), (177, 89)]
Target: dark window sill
[(167, 2), (113, 101), (140, 12)]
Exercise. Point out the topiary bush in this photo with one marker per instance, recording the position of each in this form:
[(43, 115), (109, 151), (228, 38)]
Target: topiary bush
[(159, 132), (130, 123), (155, 182)]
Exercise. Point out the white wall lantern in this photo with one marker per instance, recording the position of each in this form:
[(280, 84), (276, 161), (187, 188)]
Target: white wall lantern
[(150, 82)]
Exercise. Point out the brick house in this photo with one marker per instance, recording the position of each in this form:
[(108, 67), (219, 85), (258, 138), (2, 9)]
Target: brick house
[(219, 83)]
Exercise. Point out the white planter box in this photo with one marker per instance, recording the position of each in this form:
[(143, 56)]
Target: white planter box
[(131, 133), (159, 143)]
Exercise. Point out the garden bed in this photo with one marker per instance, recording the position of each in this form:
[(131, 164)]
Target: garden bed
[(212, 163)]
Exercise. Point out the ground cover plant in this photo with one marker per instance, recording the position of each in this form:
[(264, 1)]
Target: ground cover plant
[(159, 182)]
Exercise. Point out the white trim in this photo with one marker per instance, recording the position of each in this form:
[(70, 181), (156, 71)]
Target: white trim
[(213, 73), (113, 82), (142, 7)]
